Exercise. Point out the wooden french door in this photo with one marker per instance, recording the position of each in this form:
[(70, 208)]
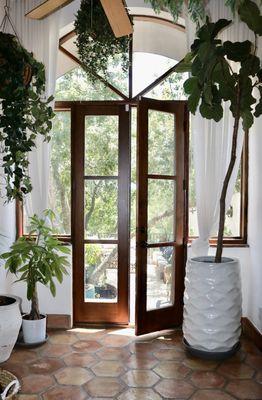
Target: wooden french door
[(100, 212), (161, 213)]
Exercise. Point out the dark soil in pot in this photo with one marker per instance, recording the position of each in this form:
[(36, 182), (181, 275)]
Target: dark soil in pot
[(6, 301)]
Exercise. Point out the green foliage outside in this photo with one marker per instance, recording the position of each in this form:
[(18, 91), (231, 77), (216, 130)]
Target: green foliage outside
[(39, 258)]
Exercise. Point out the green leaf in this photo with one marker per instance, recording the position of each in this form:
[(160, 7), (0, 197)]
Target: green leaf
[(250, 66), (258, 109), (250, 14), (237, 51), (214, 111), (247, 119), (191, 84), (219, 25), (52, 288), (193, 100)]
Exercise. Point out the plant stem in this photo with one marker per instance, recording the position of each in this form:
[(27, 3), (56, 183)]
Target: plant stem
[(34, 313), (222, 212)]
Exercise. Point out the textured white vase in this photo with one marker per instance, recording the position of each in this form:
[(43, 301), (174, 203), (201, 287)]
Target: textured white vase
[(212, 304), (34, 331), (10, 323)]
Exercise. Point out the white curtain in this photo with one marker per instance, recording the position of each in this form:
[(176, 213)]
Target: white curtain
[(212, 144)]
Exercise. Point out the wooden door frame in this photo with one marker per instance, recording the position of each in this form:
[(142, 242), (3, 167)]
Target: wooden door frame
[(103, 313), (148, 321)]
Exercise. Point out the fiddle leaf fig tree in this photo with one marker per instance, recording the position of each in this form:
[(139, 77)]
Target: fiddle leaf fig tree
[(25, 113), (225, 72)]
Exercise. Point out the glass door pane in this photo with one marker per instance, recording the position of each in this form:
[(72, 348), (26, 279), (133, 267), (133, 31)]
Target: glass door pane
[(101, 212), (161, 214)]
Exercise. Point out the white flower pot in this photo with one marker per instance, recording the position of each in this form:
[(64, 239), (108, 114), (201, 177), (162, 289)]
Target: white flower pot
[(212, 304), (10, 323), (34, 331)]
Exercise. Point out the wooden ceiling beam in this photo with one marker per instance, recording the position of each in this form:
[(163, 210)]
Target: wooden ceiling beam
[(46, 8), (118, 17)]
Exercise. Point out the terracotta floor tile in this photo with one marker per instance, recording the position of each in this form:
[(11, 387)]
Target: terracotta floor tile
[(249, 347), (236, 370), (108, 368), (45, 366), (141, 361), (113, 353), (79, 360), (89, 346), (170, 354), (23, 356), (140, 378), (146, 347), (172, 370), (100, 364), (73, 376), (63, 338), (115, 340), (104, 387), (65, 393), (55, 350), (33, 384), (207, 379), (19, 370), (211, 395), (245, 389), (254, 361), (139, 394), (200, 365), (174, 389)]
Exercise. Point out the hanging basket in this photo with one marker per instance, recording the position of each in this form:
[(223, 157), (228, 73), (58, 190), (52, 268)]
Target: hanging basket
[(7, 378)]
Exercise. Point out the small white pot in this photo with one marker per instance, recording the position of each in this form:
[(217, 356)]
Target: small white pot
[(34, 331), (212, 304), (10, 323)]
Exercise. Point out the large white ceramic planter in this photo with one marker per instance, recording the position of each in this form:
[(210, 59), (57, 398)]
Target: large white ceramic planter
[(10, 323), (34, 331), (212, 304)]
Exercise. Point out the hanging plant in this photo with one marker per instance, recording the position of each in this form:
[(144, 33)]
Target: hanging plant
[(24, 112), (96, 42)]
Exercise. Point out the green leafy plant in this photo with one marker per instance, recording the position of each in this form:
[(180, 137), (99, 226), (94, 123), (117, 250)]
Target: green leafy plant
[(95, 40), (38, 258), (196, 8), (213, 80), (24, 112)]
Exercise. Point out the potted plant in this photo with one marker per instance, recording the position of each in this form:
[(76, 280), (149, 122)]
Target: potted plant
[(38, 258), (25, 112), (212, 300)]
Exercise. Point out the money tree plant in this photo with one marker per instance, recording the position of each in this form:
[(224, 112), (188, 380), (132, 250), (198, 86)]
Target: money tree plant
[(38, 258), (226, 72)]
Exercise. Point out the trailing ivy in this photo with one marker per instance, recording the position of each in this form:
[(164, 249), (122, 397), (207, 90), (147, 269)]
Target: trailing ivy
[(24, 112), (96, 42)]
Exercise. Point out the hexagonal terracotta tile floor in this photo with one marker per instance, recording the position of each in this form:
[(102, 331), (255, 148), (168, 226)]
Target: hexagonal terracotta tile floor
[(82, 364)]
